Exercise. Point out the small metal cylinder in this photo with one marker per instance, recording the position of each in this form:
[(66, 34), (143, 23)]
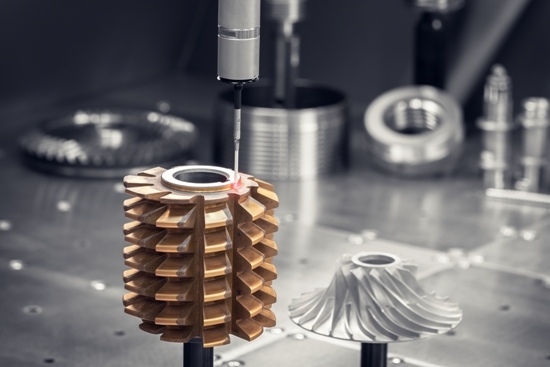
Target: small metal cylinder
[(238, 40), (496, 125), (535, 120)]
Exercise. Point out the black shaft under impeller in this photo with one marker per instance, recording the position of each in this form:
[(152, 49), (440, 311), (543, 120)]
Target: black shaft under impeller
[(374, 355)]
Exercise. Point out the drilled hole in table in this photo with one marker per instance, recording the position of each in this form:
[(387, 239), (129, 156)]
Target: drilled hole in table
[(120, 333), (304, 261), (504, 308), (49, 360), (451, 333)]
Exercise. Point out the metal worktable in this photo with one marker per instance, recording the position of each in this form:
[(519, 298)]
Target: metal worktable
[(61, 261)]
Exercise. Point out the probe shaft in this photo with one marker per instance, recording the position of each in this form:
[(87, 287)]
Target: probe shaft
[(237, 127)]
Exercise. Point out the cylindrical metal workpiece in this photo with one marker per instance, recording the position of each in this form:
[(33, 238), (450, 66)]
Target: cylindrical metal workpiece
[(238, 40), (280, 144)]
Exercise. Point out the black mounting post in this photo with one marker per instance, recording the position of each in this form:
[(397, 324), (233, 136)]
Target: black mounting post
[(194, 355), (374, 355), (431, 42)]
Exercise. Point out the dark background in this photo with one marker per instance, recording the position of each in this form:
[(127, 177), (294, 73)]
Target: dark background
[(64, 54)]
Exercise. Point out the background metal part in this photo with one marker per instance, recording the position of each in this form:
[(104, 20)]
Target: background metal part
[(414, 130), (280, 144), (108, 143), (496, 126), (535, 120)]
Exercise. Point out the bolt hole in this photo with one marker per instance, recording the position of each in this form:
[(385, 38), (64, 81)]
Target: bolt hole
[(49, 360), (120, 333), (504, 308), (451, 333), (304, 261)]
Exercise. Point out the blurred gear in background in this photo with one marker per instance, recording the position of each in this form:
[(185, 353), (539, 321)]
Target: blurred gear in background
[(108, 143)]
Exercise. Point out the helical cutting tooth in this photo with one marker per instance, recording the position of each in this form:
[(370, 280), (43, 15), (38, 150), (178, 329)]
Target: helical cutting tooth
[(152, 328), (216, 265), (248, 329), (176, 291), (176, 243), (216, 290), (248, 306), (131, 227), (130, 251), (266, 318), (132, 202), (216, 313), (219, 217), (130, 298), (135, 181), (267, 247), (176, 267), (217, 241), (146, 212), (176, 315), (268, 198), (152, 172), (130, 274), (146, 192), (268, 223), (177, 335), (145, 261), (213, 337), (248, 282), (146, 236), (145, 308), (249, 234), (250, 210), (266, 295), (177, 217), (248, 258), (145, 285), (200, 262), (264, 185), (267, 271)]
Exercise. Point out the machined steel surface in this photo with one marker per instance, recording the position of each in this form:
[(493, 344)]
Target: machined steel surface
[(61, 259), (414, 130)]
